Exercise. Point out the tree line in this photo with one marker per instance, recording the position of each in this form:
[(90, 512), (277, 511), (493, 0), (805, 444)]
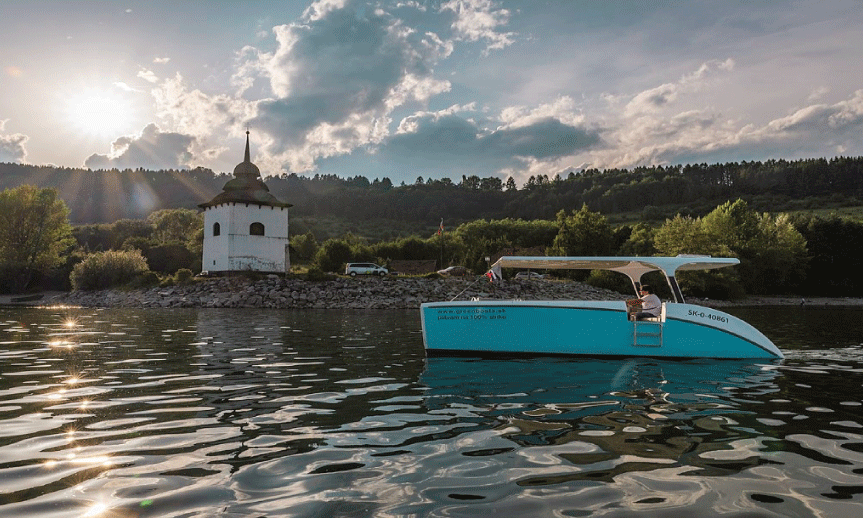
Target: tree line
[(657, 192), (779, 254), (682, 209)]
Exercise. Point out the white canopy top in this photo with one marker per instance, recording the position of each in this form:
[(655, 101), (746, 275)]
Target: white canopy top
[(633, 267)]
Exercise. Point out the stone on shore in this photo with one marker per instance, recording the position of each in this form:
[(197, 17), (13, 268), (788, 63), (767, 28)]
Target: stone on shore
[(342, 293)]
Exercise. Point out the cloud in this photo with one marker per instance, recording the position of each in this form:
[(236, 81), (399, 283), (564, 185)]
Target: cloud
[(332, 83), (123, 86), (822, 118), (451, 142), (477, 20), (349, 85), (562, 108), (12, 146), (706, 68), (193, 112), (336, 76), (654, 99), (703, 135), (148, 75), (151, 149), (321, 8), (161, 61), (668, 123)]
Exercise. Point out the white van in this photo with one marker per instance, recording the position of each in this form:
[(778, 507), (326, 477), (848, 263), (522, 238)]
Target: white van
[(354, 269)]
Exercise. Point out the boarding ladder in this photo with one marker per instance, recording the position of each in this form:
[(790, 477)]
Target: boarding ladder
[(648, 333)]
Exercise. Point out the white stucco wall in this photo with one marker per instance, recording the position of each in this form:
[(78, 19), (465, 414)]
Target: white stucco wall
[(235, 249)]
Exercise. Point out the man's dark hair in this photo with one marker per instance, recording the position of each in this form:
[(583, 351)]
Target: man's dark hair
[(645, 287)]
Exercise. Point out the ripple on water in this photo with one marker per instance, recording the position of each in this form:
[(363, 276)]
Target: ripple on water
[(266, 413)]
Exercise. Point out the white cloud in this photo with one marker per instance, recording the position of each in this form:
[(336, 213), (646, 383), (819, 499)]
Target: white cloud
[(413, 4), (704, 135), (148, 75), (336, 78), (458, 140), (480, 20), (125, 87), (652, 100), (666, 123), (161, 61), (151, 149), (250, 66), (196, 113), (319, 9), (411, 123), (341, 78), (563, 109), (705, 69), (839, 117), (657, 98), (415, 88), (12, 147)]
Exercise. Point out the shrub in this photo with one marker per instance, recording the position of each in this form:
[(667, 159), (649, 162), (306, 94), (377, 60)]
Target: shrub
[(610, 281), (147, 279), (104, 270), (34, 235), (169, 257), (184, 276), (333, 254), (317, 275)]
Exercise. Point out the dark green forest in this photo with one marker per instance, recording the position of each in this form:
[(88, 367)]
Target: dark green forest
[(787, 221), (643, 193)]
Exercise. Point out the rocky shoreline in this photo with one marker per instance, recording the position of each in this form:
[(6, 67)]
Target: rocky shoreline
[(342, 293), (360, 293)]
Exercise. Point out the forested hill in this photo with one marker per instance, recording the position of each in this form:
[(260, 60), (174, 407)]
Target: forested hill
[(104, 196)]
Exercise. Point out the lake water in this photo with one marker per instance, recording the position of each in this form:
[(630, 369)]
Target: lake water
[(262, 413)]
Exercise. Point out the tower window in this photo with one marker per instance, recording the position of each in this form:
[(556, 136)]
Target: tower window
[(256, 229), (217, 229)]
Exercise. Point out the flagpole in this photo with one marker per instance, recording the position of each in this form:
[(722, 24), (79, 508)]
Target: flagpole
[(440, 233)]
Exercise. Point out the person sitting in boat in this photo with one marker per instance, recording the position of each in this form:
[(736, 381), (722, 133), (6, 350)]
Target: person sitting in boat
[(648, 304)]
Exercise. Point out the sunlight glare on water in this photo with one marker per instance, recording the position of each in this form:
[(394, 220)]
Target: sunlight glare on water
[(339, 413)]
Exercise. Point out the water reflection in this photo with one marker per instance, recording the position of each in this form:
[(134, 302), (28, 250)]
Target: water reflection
[(295, 378), (268, 413), (616, 416), (797, 329)]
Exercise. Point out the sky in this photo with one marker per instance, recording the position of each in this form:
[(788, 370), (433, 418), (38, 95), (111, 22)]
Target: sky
[(432, 88)]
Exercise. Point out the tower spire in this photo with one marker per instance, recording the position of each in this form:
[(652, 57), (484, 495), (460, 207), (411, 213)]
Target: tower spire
[(247, 157)]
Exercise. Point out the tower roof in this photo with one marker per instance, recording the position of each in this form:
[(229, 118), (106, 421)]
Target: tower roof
[(246, 186)]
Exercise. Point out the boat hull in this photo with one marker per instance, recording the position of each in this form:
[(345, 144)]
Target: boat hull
[(587, 328)]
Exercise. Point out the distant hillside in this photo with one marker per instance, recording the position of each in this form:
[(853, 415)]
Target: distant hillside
[(650, 193), (106, 196)]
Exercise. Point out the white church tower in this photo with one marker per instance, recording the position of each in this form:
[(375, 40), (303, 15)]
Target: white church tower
[(245, 227)]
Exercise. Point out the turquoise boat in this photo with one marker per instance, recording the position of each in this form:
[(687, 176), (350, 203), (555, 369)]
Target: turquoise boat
[(593, 328)]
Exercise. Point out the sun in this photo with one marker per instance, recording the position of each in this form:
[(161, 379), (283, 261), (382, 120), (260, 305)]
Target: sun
[(98, 113)]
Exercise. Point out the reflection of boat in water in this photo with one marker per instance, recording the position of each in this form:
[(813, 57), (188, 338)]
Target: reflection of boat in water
[(594, 328), (583, 385), (605, 416)]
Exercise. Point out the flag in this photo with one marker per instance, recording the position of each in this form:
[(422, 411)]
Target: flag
[(440, 230)]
